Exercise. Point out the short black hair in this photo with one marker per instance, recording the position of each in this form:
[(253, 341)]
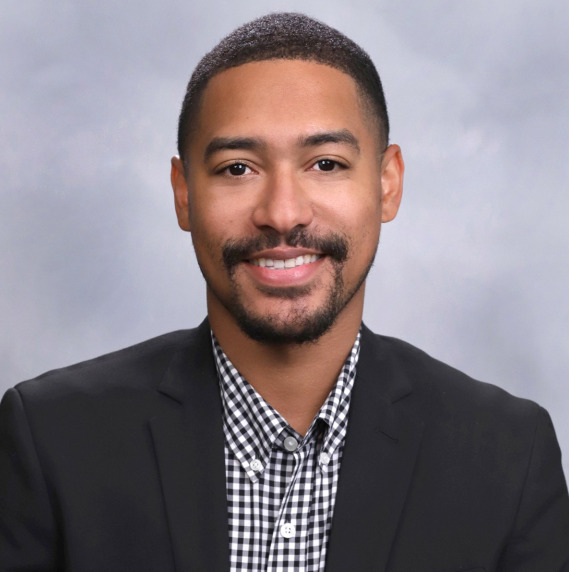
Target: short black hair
[(286, 36)]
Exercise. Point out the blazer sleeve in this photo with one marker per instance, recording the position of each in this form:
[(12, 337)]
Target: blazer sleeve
[(27, 525), (540, 538)]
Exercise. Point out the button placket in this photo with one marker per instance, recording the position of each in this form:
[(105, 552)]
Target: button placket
[(285, 527)]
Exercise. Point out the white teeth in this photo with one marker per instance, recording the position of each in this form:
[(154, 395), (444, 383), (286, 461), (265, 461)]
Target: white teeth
[(279, 264)]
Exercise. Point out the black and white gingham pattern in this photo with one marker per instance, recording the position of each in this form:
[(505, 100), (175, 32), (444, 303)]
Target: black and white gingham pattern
[(280, 502)]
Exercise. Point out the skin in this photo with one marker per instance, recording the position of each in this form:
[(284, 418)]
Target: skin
[(284, 178)]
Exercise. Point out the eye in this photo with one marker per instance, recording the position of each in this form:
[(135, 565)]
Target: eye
[(237, 169), (328, 165)]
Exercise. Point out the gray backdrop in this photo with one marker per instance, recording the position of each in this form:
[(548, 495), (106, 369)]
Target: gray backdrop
[(474, 269)]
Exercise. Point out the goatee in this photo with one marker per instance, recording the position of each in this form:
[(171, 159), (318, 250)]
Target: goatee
[(301, 325)]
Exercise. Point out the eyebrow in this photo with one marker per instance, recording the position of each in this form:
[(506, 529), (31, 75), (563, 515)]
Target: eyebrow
[(232, 143), (340, 136), (254, 144)]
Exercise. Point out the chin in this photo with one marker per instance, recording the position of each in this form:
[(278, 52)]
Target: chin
[(271, 332), (297, 325)]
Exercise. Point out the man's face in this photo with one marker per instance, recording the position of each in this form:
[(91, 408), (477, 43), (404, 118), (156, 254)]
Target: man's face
[(283, 196)]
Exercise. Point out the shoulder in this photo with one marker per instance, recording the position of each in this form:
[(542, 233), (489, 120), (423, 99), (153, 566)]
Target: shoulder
[(468, 426), (446, 395), (133, 369), (468, 440)]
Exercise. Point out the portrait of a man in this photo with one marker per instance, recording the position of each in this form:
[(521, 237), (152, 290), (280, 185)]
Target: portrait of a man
[(281, 433)]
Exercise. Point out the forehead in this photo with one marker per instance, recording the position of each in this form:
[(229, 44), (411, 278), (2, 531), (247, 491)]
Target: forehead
[(276, 98)]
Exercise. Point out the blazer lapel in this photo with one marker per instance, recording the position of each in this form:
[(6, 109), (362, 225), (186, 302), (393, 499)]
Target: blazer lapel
[(381, 447), (188, 441)]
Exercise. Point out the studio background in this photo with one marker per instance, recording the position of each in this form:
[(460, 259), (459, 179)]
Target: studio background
[(474, 270)]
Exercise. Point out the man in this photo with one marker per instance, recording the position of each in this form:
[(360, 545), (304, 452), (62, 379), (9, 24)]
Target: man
[(281, 434)]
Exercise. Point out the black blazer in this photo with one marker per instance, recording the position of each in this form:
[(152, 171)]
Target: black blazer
[(117, 464)]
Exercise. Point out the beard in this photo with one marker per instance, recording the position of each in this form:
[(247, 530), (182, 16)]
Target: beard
[(302, 323)]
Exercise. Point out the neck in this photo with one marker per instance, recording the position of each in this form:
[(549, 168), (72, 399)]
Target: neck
[(294, 379)]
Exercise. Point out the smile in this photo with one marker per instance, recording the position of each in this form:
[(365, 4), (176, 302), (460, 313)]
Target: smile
[(280, 264)]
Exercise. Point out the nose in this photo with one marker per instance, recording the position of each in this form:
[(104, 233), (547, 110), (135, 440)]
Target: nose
[(283, 204)]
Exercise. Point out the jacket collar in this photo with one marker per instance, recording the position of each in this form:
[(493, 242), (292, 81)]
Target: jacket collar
[(191, 369), (381, 448), (188, 443)]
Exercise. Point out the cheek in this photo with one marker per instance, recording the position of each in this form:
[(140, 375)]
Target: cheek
[(360, 220), (206, 238), (364, 234), (211, 229), (218, 213)]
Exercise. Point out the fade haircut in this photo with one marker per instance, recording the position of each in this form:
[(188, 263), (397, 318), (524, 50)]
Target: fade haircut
[(285, 36)]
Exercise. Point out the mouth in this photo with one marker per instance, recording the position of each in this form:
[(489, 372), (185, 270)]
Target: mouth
[(300, 250), (284, 269), (284, 263)]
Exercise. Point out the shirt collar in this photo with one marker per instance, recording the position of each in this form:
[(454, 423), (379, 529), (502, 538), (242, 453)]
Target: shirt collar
[(334, 411), (252, 427)]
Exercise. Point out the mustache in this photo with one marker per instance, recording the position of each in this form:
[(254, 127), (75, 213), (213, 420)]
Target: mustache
[(332, 244)]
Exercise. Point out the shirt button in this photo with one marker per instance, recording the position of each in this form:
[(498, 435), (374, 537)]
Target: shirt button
[(256, 465), (324, 458), (287, 530), (290, 444)]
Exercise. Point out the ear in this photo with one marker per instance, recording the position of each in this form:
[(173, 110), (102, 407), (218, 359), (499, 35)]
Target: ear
[(392, 169), (180, 188)]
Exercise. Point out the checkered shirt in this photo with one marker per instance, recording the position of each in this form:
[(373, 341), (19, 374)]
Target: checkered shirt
[(281, 487)]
